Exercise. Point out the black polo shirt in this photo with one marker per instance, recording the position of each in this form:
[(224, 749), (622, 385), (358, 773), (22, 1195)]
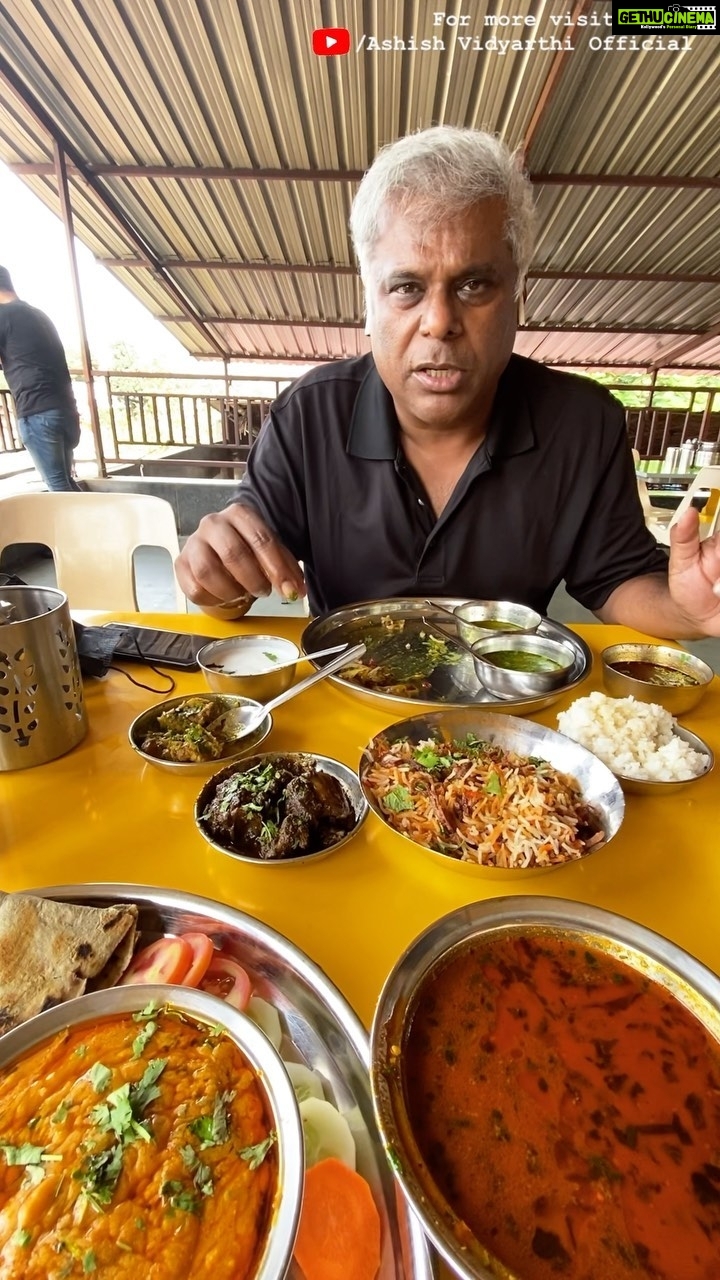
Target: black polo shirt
[(549, 494)]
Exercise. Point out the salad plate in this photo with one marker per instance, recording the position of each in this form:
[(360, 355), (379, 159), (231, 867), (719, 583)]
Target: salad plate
[(319, 1031)]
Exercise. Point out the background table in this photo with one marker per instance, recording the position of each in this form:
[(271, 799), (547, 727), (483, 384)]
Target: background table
[(100, 814)]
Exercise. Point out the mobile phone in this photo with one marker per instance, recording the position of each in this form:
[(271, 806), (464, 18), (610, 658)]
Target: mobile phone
[(151, 645)]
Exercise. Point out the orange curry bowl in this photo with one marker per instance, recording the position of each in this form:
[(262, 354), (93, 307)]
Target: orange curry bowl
[(146, 1128), (546, 1079)]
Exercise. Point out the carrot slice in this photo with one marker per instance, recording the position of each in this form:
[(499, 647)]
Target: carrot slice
[(339, 1233)]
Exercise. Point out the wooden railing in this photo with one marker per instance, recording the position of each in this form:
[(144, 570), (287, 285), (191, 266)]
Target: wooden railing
[(162, 422)]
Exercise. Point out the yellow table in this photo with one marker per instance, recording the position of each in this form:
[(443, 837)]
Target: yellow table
[(99, 813)]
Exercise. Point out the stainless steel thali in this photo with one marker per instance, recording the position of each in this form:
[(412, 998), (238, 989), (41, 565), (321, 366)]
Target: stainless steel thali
[(454, 686), (319, 1029)]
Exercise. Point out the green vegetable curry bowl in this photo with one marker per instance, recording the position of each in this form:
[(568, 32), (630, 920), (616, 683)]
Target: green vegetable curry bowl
[(522, 666)]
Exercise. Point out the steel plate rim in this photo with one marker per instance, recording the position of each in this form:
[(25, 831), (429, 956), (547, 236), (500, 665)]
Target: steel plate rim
[(296, 959), (548, 628)]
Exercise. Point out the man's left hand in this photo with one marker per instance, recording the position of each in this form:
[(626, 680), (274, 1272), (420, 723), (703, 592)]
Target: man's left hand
[(694, 573)]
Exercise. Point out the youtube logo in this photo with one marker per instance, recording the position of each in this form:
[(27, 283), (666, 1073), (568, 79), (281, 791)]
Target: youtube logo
[(330, 40)]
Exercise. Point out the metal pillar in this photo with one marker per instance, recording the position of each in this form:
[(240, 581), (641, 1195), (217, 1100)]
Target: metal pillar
[(64, 194)]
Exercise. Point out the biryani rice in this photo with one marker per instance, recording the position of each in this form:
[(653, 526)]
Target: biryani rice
[(483, 804), (635, 739)]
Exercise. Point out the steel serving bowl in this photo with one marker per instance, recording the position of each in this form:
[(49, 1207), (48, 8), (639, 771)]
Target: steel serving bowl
[(600, 787), (147, 722), (264, 1059), (259, 667), (472, 615), (344, 774), (643, 950), (650, 787), (505, 682), (675, 698)]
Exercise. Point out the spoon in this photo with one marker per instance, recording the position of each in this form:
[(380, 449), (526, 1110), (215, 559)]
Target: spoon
[(441, 609), (239, 722)]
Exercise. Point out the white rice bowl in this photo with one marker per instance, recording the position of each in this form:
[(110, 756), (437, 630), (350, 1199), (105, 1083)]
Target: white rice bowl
[(634, 739)]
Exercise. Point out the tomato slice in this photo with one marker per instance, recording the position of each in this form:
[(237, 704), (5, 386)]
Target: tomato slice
[(202, 953), (167, 960), (227, 979)]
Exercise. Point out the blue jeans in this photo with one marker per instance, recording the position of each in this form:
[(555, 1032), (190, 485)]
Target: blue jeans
[(50, 438)]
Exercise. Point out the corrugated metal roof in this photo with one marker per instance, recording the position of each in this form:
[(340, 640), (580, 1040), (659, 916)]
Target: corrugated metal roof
[(207, 149)]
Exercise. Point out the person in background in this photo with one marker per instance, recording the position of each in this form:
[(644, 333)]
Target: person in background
[(35, 368), (442, 463)]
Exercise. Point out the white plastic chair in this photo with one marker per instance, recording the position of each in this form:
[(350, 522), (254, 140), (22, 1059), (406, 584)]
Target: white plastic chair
[(706, 478), (93, 537), (657, 519)]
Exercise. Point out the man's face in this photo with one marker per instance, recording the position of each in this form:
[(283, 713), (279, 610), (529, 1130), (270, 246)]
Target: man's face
[(443, 314)]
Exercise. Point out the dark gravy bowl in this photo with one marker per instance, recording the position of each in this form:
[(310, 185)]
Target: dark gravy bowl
[(537, 1068)]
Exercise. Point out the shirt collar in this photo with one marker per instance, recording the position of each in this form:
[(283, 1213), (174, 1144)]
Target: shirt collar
[(373, 432)]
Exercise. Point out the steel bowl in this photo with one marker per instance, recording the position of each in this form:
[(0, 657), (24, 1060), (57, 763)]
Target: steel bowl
[(506, 683), (599, 785), (676, 699), (325, 764), (259, 667), (148, 720), (650, 954), (472, 615), (266, 1062), (649, 787)]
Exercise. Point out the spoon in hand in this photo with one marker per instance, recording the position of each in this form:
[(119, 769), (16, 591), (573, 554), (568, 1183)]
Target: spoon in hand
[(239, 722)]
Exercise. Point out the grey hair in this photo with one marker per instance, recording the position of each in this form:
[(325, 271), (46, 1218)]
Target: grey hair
[(440, 172)]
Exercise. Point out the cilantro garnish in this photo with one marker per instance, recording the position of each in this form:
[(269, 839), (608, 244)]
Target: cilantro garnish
[(99, 1077), (493, 786), (213, 1130), (22, 1238), (271, 657), (123, 1108), (254, 1156), (99, 1175), (61, 1115), (148, 1012), (25, 1155), (142, 1038), (398, 800), (89, 1262), (180, 1197)]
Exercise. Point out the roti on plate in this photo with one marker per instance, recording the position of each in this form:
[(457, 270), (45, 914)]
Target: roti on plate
[(51, 951)]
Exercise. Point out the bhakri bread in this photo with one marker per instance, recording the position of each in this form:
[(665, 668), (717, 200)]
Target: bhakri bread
[(52, 951)]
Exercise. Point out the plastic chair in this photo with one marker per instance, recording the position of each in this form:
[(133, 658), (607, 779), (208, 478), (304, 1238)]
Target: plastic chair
[(706, 478), (657, 519), (93, 537)]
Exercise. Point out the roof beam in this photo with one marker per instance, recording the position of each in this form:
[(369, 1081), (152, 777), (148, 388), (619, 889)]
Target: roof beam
[(10, 78), (43, 169), (331, 269), (299, 323), (681, 348), (552, 78)]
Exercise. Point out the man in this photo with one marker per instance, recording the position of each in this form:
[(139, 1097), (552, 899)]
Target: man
[(36, 372), (442, 463)]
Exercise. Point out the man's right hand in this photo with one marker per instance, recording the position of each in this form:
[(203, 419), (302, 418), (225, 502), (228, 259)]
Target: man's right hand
[(232, 556)]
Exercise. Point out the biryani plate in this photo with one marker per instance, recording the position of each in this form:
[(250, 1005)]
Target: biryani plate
[(494, 795)]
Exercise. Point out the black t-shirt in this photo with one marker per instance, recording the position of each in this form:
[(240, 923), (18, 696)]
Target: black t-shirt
[(549, 494), (33, 360)]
